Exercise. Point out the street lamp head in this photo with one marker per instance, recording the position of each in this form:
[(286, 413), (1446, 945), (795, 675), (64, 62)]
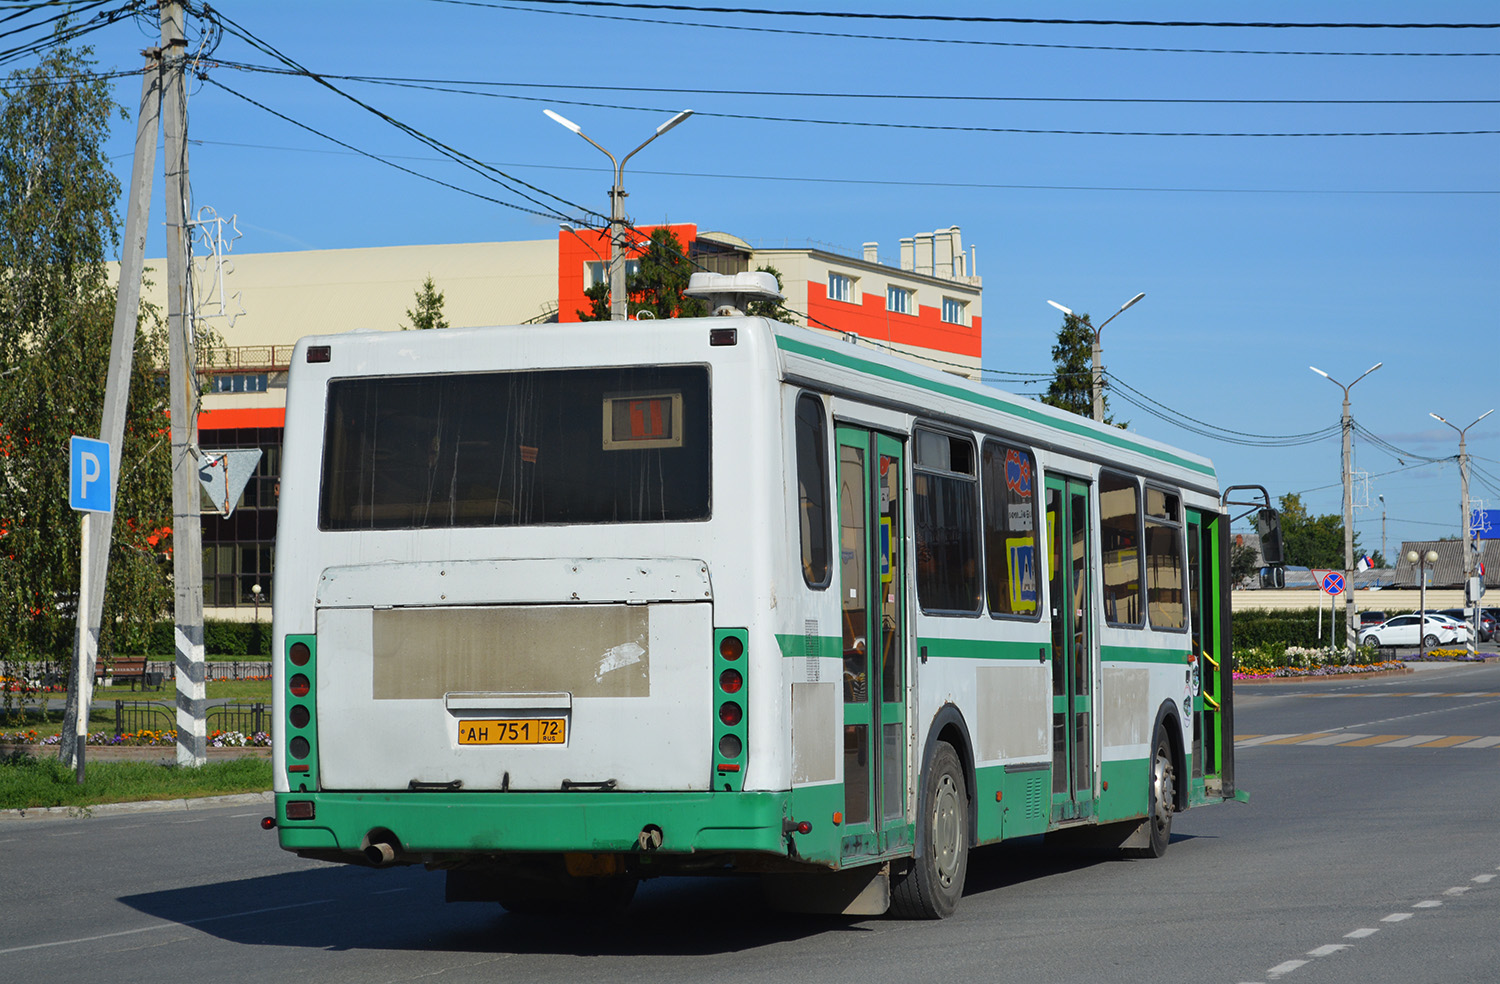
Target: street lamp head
[(558, 118), (1320, 372), (1064, 310), (1411, 556), (673, 121), (255, 590), (1432, 556), (1132, 300)]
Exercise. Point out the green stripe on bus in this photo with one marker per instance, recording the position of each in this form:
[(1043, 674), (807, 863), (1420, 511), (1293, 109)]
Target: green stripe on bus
[(992, 649), (1143, 654), (1117, 438)]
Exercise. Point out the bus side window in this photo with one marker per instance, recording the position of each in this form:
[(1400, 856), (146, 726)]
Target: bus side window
[(1120, 526), (812, 489)]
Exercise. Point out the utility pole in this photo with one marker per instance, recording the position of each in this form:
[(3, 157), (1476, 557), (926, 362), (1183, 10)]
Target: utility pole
[(1096, 356), (187, 531), (1468, 534), (618, 298), (98, 528), (1351, 624), (1383, 554)]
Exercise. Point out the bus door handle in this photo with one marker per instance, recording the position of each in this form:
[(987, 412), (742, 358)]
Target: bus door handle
[(1041, 654)]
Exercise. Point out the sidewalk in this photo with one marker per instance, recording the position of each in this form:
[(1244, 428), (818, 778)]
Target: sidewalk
[(142, 806)]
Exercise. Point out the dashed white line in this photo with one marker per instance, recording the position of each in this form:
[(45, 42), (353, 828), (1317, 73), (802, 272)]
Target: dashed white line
[(1397, 917), (163, 925), (1481, 879), (1489, 742), (1429, 904), (1284, 968), (1409, 741), (1248, 742), (1360, 934), (1328, 950), (1457, 890)]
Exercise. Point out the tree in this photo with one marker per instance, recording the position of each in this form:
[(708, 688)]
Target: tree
[(1072, 386), (1244, 561), (657, 286), (1311, 541), (57, 225), (775, 310), (429, 310)]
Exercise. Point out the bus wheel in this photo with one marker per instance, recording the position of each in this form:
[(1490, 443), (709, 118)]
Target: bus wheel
[(1161, 797), (933, 883)]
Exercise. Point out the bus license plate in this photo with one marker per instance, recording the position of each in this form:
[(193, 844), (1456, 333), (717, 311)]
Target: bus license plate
[(520, 731)]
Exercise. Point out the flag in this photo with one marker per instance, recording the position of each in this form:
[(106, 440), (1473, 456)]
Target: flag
[(1364, 564)]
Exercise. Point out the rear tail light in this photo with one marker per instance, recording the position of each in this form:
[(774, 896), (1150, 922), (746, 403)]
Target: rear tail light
[(730, 647), (299, 685), (731, 745), (731, 713), (730, 681)]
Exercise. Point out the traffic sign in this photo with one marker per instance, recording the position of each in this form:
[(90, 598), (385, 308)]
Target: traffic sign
[(88, 475), (1332, 583)]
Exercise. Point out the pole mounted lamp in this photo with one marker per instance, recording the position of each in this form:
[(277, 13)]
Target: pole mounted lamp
[(618, 302), (1095, 362), (1352, 629), (1463, 526), (1423, 561)]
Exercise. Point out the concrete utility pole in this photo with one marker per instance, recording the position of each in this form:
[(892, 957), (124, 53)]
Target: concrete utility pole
[(1351, 624), (1096, 360), (618, 299), (1469, 564), (98, 528), (187, 530)]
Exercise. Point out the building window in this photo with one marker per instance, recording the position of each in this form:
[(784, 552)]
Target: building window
[(238, 549), (598, 273), (841, 287), (899, 300), (239, 382), (955, 312)]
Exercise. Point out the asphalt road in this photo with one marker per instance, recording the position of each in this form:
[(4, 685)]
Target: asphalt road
[(1366, 854)]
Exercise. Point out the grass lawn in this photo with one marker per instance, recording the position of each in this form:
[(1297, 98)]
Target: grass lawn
[(27, 783)]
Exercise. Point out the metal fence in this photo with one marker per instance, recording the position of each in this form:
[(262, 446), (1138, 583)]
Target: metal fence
[(132, 716)]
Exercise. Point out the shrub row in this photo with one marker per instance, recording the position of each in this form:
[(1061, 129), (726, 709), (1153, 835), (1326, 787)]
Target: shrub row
[(220, 638), (1289, 627)]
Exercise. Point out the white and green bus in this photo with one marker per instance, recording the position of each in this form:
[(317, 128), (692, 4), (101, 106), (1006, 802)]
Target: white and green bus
[(561, 608)]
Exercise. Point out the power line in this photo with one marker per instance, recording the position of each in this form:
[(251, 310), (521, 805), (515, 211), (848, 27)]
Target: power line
[(980, 19), (850, 36)]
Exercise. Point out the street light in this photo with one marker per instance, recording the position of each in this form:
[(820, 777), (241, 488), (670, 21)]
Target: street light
[(618, 302), (1463, 526), (255, 591), (1422, 560), (1094, 355), (1351, 629), (1383, 554)]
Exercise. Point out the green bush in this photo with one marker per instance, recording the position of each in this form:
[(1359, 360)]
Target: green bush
[(1293, 627)]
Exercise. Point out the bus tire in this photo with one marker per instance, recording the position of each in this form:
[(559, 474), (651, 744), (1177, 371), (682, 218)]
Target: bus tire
[(933, 882), (1161, 798)]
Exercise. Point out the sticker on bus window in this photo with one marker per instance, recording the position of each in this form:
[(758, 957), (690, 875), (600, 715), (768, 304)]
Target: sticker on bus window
[(648, 420)]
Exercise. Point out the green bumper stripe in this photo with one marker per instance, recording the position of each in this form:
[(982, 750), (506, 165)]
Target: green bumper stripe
[(489, 822)]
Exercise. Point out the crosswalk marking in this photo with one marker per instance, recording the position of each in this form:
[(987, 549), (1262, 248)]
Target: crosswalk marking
[(1354, 739)]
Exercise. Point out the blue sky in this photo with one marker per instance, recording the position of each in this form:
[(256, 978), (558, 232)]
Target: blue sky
[(1258, 255)]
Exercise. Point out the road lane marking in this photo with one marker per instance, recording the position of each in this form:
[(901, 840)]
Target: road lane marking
[(1428, 904), (1328, 950), (1457, 890), (1448, 742), (163, 925), (1337, 738), (1262, 739), (1284, 968), (1481, 879), (1397, 917), (1373, 740), (1298, 739), (1412, 740), (1489, 742), (1360, 934)]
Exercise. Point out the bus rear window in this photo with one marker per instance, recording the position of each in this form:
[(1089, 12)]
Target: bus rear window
[(539, 447)]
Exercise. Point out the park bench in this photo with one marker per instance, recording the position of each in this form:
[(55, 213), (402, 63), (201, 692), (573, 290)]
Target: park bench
[(132, 669)]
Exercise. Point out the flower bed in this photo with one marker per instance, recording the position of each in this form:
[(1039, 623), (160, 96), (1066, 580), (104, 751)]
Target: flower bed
[(216, 739), (1446, 656), (1275, 660)]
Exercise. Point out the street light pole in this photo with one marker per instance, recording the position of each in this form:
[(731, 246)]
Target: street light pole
[(1463, 478), (618, 301), (1350, 627), (1095, 355), (1422, 560), (1382, 529)]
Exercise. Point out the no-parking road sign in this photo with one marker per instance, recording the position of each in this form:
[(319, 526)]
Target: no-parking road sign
[(1332, 582)]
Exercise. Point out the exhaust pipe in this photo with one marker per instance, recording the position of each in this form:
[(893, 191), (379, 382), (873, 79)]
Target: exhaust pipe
[(380, 848)]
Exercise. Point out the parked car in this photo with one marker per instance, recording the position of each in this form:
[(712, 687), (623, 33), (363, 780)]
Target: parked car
[(1408, 630), (1465, 631), (1466, 616), (1371, 617)]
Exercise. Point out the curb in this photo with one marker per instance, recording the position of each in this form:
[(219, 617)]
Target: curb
[(140, 806)]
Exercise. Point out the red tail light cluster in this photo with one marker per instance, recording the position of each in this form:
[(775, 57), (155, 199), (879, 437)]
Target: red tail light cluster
[(731, 745), (299, 728)]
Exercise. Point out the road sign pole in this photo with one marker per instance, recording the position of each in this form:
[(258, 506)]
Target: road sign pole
[(86, 647)]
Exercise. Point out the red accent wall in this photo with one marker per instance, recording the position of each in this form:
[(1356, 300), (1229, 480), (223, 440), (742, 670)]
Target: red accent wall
[(230, 418), (870, 319), (579, 246)]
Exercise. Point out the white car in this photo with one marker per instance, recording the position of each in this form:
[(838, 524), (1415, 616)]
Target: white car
[(1408, 630)]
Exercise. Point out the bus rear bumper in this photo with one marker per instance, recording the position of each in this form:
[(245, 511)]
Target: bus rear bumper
[(446, 825)]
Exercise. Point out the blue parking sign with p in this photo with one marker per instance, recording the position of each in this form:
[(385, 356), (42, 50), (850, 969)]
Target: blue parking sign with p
[(88, 475)]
